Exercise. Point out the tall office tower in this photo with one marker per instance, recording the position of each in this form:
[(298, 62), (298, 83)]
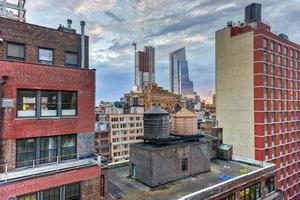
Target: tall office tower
[(13, 9), (144, 67), (179, 81), (257, 90), (47, 115)]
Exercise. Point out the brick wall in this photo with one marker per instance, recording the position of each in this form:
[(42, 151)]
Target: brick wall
[(33, 76), (86, 175), (34, 36)]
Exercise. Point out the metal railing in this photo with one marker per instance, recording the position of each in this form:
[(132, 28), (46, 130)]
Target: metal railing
[(12, 171)]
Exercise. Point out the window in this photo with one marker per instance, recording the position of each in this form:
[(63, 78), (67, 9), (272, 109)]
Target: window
[(27, 197), (71, 59), (68, 147), (184, 164), (26, 103), (69, 103), (102, 185), (25, 152), (51, 194), (252, 192), (230, 197), (46, 56), (48, 152), (279, 49), (15, 51), (49, 103), (270, 184), (265, 56), (272, 46), (72, 191), (265, 43)]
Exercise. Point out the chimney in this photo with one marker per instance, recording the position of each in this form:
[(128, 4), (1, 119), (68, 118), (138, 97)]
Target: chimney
[(69, 22), (82, 24)]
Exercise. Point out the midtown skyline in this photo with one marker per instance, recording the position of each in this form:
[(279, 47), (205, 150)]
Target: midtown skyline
[(112, 26)]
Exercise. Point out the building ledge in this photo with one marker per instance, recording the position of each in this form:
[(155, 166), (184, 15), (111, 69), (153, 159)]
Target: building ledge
[(50, 168)]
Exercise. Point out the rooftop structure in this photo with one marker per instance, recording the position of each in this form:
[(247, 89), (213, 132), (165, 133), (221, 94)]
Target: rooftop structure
[(13, 9)]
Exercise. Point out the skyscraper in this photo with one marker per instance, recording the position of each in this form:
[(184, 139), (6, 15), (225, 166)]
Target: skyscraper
[(179, 81), (144, 67), (257, 90)]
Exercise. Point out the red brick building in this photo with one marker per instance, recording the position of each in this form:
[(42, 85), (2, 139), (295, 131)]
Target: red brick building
[(258, 101), (47, 130)]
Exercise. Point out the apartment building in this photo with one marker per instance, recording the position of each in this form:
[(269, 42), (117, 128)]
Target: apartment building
[(257, 84), (153, 95), (47, 130), (124, 130)]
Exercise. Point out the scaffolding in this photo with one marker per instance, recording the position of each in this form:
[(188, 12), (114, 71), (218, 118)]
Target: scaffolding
[(13, 9)]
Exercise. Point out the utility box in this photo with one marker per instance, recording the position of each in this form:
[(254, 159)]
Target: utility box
[(225, 152)]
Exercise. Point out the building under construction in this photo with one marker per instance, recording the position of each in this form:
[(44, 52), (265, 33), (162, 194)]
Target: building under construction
[(13, 9)]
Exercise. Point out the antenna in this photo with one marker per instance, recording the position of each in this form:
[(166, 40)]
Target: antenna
[(134, 45)]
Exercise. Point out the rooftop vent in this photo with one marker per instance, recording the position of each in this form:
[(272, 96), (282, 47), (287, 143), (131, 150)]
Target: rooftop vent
[(68, 29)]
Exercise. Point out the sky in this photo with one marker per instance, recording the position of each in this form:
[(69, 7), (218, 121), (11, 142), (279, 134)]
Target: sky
[(113, 25)]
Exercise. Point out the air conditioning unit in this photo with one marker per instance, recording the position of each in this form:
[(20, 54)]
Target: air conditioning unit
[(7, 103)]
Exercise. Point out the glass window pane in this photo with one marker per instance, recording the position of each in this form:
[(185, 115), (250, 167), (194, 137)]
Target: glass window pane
[(48, 150), (68, 147), (49, 103), (72, 191), (25, 152), (26, 103), (46, 56), (16, 51), (69, 103), (27, 197), (51, 194), (71, 59)]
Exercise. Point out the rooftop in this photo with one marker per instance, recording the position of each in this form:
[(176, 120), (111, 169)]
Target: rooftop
[(120, 186)]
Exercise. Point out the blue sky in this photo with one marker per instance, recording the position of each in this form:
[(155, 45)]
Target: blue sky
[(165, 24)]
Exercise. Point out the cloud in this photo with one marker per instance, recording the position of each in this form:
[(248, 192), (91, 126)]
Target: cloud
[(114, 16), (166, 24), (82, 6)]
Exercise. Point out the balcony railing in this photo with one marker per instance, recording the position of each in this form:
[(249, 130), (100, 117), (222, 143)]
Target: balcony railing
[(9, 172)]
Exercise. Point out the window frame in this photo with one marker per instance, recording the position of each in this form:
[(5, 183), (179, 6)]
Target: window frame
[(69, 64), (184, 164), (47, 62), (36, 103), (76, 103), (76, 196), (67, 156), (41, 104), (33, 152), (13, 57)]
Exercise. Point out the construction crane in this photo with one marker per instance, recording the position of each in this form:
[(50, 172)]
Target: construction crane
[(13, 10), (209, 94)]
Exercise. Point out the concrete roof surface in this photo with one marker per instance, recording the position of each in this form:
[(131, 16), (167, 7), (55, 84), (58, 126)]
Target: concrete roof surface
[(120, 186)]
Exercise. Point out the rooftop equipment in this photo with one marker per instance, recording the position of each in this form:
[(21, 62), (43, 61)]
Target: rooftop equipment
[(253, 13)]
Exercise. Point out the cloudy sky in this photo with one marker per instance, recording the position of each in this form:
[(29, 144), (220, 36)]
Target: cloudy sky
[(165, 24)]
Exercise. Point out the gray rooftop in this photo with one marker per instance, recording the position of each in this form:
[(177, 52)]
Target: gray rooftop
[(120, 186)]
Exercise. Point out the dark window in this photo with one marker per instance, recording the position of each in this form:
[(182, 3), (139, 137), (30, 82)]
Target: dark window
[(230, 197), (102, 186), (46, 56), (51, 194), (48, 150), (27, 197), (25, 152), (184, 164), (270, 184), (71, 59), (72, 191), (68, 147), (48, 103), (26, 103), (69, 103), (16, 51)]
